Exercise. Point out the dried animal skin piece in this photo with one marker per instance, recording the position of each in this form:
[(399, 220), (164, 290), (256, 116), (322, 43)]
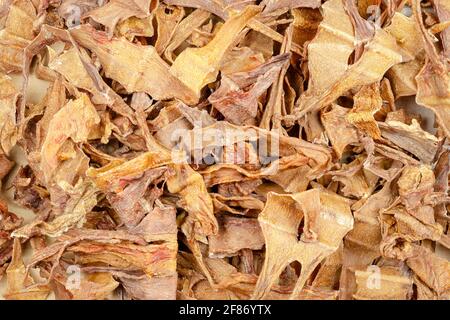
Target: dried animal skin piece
[(184, 29), (366, 103), (405, 30), (280, 220), (443, 13), (235, 234), (8, 100), (237, 99), (329, 51), (83, 117), (74, 215), (116, 11), (16, 35), (195, 200), (340, 132), (20, 285), (411, 138), (204, 62), (432, 273), (433, 81), (167, 19), (387, 283), (8, 223), (220, 8), (379, 55), (126, 63), (273, 5)]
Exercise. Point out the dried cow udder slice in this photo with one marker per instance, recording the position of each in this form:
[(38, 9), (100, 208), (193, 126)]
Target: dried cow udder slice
[(327, 218), (226, 149)]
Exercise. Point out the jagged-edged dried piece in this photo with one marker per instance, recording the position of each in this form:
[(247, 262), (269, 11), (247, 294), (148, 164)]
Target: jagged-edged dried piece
[(387, 283), (127, 63), (273, 5), (365, 104), (18, 31), (237, 97), (132, 203), (411, 138), (185, 181), (405, 30), (74, 121), (379, 55), (433, 81), (81, 203), (414, 184), (329, 51), (184, 29), (197, 67), (8, 100), (20, 285), (167, 19), (340, 131), (135, 27), (159, 224), (443, 12), (115, 11), (432, 273), (220, 8), (280, 220), (195, 200), (235, 234)]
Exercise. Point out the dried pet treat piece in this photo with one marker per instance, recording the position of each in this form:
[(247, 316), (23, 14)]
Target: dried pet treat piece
[(235, 234), (325, 215), (116, 11), (224, 149), (204, 62)]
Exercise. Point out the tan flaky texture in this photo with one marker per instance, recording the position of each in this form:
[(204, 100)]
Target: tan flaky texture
[(226, 149)]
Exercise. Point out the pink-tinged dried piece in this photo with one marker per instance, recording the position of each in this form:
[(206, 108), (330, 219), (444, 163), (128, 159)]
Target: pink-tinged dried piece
[(159, 224), (235, 234), (131, 203), (432, 274), (127, 63), (237, 97), (20, 285), (197, 67), (280, 220), (143, 287), (82, 201), (185, 181), (411, 138), (442, 8), (116, 11)]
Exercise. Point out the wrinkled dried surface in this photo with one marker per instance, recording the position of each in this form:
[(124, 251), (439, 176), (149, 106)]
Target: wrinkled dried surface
[(226, 149)]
